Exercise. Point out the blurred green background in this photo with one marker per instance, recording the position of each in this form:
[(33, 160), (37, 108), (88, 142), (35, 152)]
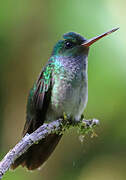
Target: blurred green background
[(28, 31)]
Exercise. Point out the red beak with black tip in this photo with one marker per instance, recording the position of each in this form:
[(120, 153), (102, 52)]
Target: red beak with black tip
[(89, 42)]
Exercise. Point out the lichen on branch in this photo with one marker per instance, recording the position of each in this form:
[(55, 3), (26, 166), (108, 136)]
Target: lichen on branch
[(59, 126)]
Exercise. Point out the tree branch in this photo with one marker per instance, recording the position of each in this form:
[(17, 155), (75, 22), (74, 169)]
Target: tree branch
[(42, 132)]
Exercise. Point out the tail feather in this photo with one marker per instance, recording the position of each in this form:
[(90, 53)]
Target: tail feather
[(37, 154)]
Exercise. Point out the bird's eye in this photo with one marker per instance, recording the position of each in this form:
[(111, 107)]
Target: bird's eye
[(68, 45)]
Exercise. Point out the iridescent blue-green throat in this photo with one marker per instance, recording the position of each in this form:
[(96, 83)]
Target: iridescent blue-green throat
[(62, 87)]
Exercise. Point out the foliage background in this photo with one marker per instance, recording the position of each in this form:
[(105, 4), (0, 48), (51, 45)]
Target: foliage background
[(28, 31)]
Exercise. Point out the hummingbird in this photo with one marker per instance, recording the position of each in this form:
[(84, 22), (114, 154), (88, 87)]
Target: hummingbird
[(62, 87)]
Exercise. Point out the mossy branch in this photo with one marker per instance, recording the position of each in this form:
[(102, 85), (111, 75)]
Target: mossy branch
[(58, 126)]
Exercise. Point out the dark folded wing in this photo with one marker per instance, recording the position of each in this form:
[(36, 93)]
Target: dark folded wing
[(38, 101)]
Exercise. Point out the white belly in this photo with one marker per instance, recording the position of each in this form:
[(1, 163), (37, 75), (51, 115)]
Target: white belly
[(69, 97)]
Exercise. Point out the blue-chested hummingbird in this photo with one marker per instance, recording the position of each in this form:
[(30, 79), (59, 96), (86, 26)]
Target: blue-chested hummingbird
[(62, 87)]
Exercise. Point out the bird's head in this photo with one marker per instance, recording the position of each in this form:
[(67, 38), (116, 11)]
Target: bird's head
[(74, 44)]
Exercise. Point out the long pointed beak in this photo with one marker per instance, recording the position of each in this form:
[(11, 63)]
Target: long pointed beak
[(89, 42)]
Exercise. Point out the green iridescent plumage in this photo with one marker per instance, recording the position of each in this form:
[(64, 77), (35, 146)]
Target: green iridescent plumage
[(62, 87), (52, 95)]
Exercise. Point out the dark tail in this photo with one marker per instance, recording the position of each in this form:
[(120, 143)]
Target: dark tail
[(38, 153)]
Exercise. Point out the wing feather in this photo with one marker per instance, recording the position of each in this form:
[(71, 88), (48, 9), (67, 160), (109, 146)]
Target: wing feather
[(38, 101)]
